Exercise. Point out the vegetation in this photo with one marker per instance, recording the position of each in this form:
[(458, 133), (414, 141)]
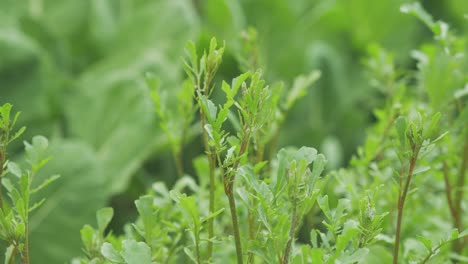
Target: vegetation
[(258, 149)]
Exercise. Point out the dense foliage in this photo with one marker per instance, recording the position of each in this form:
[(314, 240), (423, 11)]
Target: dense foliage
[(316, 132)]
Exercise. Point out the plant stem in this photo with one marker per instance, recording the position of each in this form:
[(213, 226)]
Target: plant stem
[(251, 227), (177, 155), (1, 194), (197, 247), (212, 164), (401, 201), (426, 259), (384, 136), (251, 214), (12, 256), (211, 156), (458, 246), (274, 143), (2, 164), (292, 232), (25, 258), (448, 193), (235, 226), (229, 190)]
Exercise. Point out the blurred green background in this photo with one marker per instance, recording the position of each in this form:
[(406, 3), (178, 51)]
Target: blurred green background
[(75, 70)]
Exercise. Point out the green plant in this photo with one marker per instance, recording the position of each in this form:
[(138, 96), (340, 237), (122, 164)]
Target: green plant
[(201, 74), (14, 214), (415, 139), (235, 126)]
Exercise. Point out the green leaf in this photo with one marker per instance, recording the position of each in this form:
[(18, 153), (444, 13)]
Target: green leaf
[(280, 179), (299, 89), (210, 109), (110, 253), (463, 233), (318, 167), (145, 208), (433, 126), (151, 80), (188, 203), (191, 49), (401, 127), (40, 143), (418, 11), (9, 254), (7, 184), (73, 200), (307, 154), (378, 254), (422, 169), (356, 257), (20, 230), (190, 254), (427, 242), (35, 151), (350, 230), (136, 252), (87, 236), (21, 209), (104, 216), (323, 203), (14, 169), (45, 183), (460, 93), (259, 166), (36, 205), (17, 134), (5, 111), (317, 255), (212, 215), (238, 81)]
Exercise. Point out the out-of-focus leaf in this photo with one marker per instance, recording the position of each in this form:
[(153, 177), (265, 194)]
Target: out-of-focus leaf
[(377, 254), (110, 253), (145, 209), (136, 252), (70, 202), (104, 216)]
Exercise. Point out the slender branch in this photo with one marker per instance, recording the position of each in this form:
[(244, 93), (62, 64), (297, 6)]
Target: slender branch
[(229, 178), (235, 226), (260, 151), (212, 165), (384, 136), (459, 192), (13, 253), (274, 142), (448, 193), (251, 222), (25, 258), (292, 232), (453, 211), (3, 151), (177, 156), (461, 175), (2, 161), (431, 253), (251, 229), (401, 202), (197, 247), (211, 156), (464, 243)]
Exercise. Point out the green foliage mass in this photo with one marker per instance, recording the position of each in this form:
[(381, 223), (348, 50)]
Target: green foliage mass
[(174, 146)]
